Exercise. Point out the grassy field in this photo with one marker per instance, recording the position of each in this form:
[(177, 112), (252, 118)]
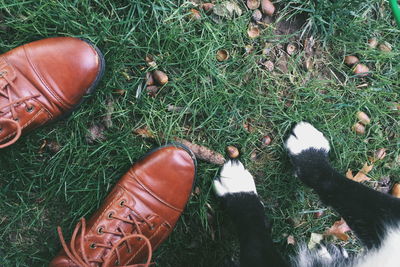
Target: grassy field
[(42, 188)]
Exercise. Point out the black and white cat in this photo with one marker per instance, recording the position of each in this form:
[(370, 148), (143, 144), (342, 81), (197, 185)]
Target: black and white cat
[(372, 215)]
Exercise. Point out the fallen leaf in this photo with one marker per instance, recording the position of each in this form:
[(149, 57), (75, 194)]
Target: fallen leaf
[(227, 9), (207, 7), (95, 133), (50, 146), (150, 61), (361, 176), (247, 125), (126, 75), (120, 92), (110, 110), (144, 132), (315, 239), (339, 229), (152, 90), (396, 190), (197, 190), (380, 154), (194, 14)]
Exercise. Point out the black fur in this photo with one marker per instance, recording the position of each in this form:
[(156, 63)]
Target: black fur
[(366, 211), (254, 230)]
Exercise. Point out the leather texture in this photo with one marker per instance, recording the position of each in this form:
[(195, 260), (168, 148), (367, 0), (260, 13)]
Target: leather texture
[(43, 80), (157, 189)]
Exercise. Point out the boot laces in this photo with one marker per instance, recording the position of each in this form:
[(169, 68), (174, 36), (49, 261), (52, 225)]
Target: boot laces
[(84, 261), (6, 92)]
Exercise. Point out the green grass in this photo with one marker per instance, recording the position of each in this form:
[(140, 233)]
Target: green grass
[(40, 189)]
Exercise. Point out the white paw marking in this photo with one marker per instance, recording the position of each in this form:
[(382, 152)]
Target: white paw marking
[(306, 137), (234, 178)]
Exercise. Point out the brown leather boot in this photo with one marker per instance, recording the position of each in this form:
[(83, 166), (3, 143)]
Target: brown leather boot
[(137, 216), (44, 80)]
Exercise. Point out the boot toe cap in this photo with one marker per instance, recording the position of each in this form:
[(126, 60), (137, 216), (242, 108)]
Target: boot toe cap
[(68, 66), (168, 173)]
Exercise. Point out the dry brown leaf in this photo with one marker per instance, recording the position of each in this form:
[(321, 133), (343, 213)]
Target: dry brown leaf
[(120, 92), (361, 176), (379, 154), (95, 133), (194, 14), (144, 132), (396, 190), (248, 125), (150, 61), (110, 110), (339, 229)]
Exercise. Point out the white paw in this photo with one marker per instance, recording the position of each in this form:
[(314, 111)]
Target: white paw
[(305, 137), (234, 178)]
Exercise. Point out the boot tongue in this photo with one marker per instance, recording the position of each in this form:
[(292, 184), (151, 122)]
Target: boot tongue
[(6, 71)]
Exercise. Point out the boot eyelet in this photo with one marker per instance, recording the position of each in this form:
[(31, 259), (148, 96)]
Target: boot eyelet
[(93, 246), (138, 238), (100, 230), (16, 119), (3, 73), (30, 109), (122, 202), (110, 214)]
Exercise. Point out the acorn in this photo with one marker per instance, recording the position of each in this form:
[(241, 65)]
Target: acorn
[(257, 15), (232, 152), (351, 60), (380, 154), (361, 70), (207, 6), (266, 141), (152, 90), (253, 4), (269, 65), (160, 77), (385, 47), (358, 128), (373, 42), (318, 214), (253, 32), (267, 7), (363, 118), (194, 14), (149, 79), (222, 55), (291, 49)]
